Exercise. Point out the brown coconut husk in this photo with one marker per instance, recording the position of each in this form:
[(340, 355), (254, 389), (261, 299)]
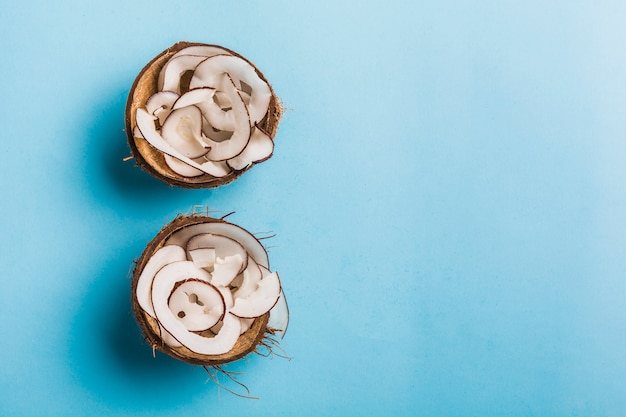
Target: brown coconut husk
[(246, 343), (151, 159)]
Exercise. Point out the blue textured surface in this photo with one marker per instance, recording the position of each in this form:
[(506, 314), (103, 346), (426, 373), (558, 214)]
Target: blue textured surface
[(448, 192)]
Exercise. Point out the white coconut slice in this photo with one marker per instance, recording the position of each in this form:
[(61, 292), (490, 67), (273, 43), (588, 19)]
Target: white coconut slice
[(214, 134), (137, 133), (160, 104), (197, 304), (260, 148), (164, 256), (251, 277), (167, 338), (163, 285), (252, 245), (205, 51), (183, 130), (194, 97), (279, 315), (216, 169), (205, 99), (174, 69), (209, 71), (147, 127), (182, 168), (202, 257), (224, 246), (245, 325), (217, 114), (227, 149), (259, 301), (225, 270)]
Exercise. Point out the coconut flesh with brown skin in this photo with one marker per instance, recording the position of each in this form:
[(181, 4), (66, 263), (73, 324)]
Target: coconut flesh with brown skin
[(200, 115), (203, 292)]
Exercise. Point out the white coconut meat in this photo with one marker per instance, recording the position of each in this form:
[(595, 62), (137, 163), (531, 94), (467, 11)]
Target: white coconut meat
[(227, 149), (279, 316), (202, 257), (147, 128), (202, 50), (209, 72), (197, 304), (164, 256), (214, 116), (260, 148), (259, 301), (225, 248), (182, 129), (251, 277), (164, 285), (160, 105), (181, 168), (225, 270), (251, 244)]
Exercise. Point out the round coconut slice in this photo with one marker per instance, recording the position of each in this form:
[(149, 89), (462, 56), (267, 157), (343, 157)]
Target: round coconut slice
[(174, 155), (183, 294)]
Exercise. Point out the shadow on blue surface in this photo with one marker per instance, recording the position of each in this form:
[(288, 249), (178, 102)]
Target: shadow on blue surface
[(121, 184), (110, 358)]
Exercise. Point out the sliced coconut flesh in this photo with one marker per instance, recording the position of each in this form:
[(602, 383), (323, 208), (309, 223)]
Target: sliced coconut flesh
[(181, 167), (251, 244), (246, 324), (171, 74), (160, 105), (163, 286), (209, 72), (182, 129), (226, 270), (148, 130), (261, 300), (227, 149), (194, 97), (260, 147), (197, 304), (251, 277), (279, 315), (167, 338), (164, 256), (202, 50), (224, 246), (203, 257), (214, 134), (206, 100)]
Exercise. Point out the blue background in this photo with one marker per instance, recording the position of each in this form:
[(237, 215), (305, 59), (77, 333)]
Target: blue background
[(448, 192)]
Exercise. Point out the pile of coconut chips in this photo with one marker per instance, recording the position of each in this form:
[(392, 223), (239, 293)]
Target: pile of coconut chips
[(203, 291), (199, 115)]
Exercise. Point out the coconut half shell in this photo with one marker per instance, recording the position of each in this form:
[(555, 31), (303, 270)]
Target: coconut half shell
[(159, 334), (146, 85)]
